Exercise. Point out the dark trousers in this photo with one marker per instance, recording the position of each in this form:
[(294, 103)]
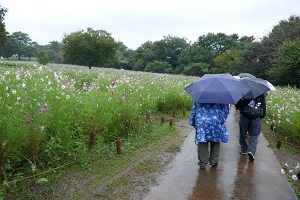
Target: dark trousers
[(208, 152), (253, 127)]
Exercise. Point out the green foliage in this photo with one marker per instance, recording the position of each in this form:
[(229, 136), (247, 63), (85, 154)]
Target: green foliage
[(54, 52), (23, 40), (42, 58), (30, 51), (196, 69), (159, 67), (283, 113), (223, 62), (285, 30), (91, 48), (3, 32), (286, 67)]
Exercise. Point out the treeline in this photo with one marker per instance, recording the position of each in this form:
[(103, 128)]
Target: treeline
[(276, 57)]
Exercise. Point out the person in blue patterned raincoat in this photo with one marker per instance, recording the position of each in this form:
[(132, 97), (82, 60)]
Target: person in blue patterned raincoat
[(209, 121)]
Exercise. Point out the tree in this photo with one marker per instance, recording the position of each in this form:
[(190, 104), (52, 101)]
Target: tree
[(143, 55), (196, 69), (211, 49), (30, 51), (159, 67), (42, 58), (93, 47), (252, 59), (223, 62), (23, 40), (123, 57), (54, 52), (169, 49), (193, 54), (10, 47), (3, 32), (285, 30), (286, 67), (166, 50), (218, 43)]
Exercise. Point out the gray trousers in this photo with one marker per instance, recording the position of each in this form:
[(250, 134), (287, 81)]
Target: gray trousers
[(208, 152), (252, 126)]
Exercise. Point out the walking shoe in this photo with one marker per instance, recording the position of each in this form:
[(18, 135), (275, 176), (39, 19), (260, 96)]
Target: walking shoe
[(202, 167), (251, 156), (243, 153)]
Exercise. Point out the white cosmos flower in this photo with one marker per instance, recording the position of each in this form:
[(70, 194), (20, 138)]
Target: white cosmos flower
[(282, 171), (294, 177), (287, 165)]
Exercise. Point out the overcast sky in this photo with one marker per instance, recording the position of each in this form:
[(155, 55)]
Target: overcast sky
[(135, 22)]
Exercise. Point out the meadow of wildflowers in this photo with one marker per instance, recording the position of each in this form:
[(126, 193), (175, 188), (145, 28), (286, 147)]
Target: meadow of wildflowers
[(51, 115), (283, 108)]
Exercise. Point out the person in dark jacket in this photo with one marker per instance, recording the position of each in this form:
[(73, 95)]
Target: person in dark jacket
[(251, 113), (209, 121)]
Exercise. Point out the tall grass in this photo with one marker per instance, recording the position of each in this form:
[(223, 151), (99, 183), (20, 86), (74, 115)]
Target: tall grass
[(283, 108), (55, 114)]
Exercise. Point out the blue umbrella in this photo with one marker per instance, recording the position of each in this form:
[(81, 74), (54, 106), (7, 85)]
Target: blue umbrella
[(217, 88)]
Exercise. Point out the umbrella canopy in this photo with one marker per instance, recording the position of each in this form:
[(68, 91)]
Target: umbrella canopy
[(258, 86), (246, 75), (271, 86), (217, 88)]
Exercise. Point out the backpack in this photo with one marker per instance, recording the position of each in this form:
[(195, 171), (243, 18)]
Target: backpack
[(252, 108)]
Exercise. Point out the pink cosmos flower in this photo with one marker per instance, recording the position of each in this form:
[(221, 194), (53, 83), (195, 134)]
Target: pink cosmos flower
[(29, 121)]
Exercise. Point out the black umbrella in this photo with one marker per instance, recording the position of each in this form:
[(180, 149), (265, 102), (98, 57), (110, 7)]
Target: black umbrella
[(258, 86)]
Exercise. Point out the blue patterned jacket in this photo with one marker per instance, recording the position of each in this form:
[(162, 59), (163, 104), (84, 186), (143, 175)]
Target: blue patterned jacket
[(208, 120)]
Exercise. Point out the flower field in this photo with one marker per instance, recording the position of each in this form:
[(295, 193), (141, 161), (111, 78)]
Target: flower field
[(283, 113), (55, 114), (52, 115)]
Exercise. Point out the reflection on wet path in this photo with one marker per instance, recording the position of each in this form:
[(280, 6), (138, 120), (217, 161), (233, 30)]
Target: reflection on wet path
[(234, 178)]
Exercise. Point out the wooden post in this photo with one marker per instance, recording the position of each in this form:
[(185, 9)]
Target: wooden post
[(118, 144), (173, 113), (162, 119), (183, 112), (278, 144), (171, 122)]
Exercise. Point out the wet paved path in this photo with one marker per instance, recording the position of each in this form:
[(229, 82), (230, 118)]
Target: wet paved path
[(234, 178)]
